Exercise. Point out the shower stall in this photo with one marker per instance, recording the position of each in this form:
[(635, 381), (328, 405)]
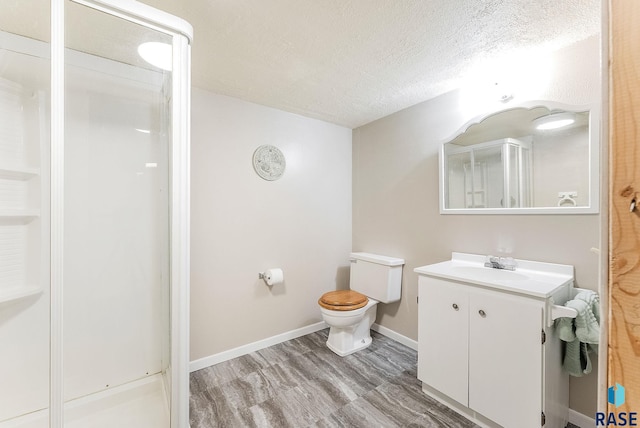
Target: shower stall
[(94, 215), (493, 174)]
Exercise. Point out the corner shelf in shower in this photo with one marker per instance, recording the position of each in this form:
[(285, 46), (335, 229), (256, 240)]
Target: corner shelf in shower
[(11, 173), (18, 216), (16, 293)]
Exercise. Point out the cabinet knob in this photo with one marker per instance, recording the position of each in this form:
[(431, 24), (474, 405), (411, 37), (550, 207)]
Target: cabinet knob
[(455, 306), (482, 313)]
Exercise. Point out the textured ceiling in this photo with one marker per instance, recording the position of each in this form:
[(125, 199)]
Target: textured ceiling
[(353, 61)]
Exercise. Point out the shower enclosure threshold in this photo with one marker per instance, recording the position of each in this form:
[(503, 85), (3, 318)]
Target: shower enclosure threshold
[(138, 404)]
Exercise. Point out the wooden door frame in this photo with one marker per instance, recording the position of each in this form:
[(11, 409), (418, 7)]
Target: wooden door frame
[(623, 291)]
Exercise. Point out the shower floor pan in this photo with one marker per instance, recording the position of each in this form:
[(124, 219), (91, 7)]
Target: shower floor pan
[(138, 404)]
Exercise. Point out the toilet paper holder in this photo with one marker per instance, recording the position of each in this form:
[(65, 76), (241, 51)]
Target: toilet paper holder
[(271, 276)]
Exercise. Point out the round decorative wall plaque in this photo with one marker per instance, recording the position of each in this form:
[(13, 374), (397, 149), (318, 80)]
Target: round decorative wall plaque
[(269, 162)]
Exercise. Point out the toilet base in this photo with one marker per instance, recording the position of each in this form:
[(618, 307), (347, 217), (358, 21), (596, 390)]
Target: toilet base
[(345, 340), (364, 343)]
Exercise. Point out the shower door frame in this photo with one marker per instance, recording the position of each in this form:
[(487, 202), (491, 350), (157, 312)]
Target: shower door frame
[(179, 205)]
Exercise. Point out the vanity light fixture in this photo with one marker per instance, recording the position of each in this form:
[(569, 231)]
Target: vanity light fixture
[(156, 53), (554, 121)]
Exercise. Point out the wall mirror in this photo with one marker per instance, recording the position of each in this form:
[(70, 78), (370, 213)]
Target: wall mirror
[(535, 158)]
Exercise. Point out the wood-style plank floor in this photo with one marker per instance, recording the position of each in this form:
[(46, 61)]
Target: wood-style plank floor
[(301, 383)]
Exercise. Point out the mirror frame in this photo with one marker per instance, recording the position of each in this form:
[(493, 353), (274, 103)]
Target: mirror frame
[(594, 162)]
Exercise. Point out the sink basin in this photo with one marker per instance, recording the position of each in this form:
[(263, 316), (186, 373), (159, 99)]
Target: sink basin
[(489, 274), (533, 278)]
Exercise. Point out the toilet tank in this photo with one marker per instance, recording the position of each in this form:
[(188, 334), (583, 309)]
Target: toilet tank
[(377, 277)]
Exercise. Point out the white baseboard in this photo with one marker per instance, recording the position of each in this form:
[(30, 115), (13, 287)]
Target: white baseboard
[(283, 337), (413, 344), (254, 346), (581, 420)]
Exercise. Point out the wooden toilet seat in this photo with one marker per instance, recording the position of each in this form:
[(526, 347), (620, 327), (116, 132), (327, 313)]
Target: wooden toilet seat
[(343, 300)]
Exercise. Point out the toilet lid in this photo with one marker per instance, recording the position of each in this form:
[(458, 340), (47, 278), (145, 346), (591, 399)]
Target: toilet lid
[(343, 300)]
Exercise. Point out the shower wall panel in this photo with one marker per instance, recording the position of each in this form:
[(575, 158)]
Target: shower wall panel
[(24, 223)]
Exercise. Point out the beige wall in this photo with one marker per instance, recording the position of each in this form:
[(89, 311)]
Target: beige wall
[(395, 199), (242, 224)]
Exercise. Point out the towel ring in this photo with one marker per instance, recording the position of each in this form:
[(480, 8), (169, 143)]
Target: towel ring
[(567, 201)]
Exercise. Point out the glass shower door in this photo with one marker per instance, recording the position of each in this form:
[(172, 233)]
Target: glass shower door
[(116, 222), (517, 164)]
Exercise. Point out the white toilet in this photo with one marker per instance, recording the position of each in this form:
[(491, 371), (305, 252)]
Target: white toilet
[(350, 313)]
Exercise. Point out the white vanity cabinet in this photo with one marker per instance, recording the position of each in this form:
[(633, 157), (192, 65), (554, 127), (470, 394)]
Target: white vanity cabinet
[(485, 346)]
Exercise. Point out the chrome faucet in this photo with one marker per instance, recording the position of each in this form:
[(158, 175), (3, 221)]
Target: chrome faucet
[(507, 263)]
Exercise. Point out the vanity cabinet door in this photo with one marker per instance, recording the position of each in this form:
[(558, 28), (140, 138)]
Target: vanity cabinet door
[(443, 321), (505, 358)]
